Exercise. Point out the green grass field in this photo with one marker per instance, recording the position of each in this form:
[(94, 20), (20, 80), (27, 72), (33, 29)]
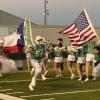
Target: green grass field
[(64, 88)]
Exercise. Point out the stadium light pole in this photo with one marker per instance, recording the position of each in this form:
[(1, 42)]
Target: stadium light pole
[(46, 12)]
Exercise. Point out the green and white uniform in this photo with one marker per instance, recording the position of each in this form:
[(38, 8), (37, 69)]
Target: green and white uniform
[(80, 55), (87, 51), (71, 53), (37, 55), (38, 52), (45, 59), (97, 57), (87, 47), (58, 54)]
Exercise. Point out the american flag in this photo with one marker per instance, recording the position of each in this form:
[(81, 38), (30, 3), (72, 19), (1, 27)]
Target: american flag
[(80, 31)]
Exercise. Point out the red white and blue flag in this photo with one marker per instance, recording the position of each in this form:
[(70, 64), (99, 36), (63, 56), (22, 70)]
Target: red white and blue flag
[(80, 31), (14, 42)]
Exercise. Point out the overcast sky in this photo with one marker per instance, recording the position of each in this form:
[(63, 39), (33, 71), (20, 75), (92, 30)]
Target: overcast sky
[(62, 12)]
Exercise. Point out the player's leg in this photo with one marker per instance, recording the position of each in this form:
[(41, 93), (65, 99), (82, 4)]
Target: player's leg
[(59, 70), (56, 69), (42, 72), (70, 65), (37, 71), (89, 66), (79, 71), (80, 62), (44, 67)]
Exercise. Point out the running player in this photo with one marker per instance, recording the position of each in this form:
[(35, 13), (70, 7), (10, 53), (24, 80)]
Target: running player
[(37, 54)]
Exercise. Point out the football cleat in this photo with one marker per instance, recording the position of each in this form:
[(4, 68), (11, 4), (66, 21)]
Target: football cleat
[(86, 80), (31, 87), (72, 76), (43, 78)]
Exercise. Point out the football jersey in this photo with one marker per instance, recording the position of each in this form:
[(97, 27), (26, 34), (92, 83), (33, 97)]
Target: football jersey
[(79, 52), (38, 52), (97, 57), (47, 46), (87, 47), (70, 50), (58, 51)]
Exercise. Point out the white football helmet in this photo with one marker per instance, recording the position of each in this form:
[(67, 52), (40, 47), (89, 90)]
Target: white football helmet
[(39, 39)]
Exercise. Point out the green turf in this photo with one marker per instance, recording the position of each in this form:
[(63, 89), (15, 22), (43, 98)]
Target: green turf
[(50, 86)]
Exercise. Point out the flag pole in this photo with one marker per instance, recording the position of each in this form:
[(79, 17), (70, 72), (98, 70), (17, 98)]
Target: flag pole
[(30, 26), (26, 44), (87, 16), (25, 30)]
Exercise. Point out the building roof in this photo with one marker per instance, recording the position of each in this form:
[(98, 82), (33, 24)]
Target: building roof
[(7, 19)]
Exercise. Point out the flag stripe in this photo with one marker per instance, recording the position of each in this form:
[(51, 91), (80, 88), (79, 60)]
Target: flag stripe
[(74, 37), (70, 30), (82, 42), (14, 49), (80, 31), (85, 37), (85, 32), (10, 40), (73, 32)]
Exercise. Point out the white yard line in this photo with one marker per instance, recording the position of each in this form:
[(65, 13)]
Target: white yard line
[(6, 90), (15, 93), (26, 71), (30, 80), (50, 94), (8, 97), (48, 99), (14, 81)]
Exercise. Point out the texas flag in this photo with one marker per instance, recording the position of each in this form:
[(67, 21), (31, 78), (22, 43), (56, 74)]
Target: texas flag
[(14, 43)]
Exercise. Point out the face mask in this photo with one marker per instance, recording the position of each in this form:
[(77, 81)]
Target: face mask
[(59, 44), (40, 42)]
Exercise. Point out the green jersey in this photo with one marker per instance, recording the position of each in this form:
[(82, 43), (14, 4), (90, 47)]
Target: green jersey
[(58, 51), (87, 48), (47, 46), (38, 52), (79, 52), (97, 57), (65, 53), (70, 50), (51, 54)]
